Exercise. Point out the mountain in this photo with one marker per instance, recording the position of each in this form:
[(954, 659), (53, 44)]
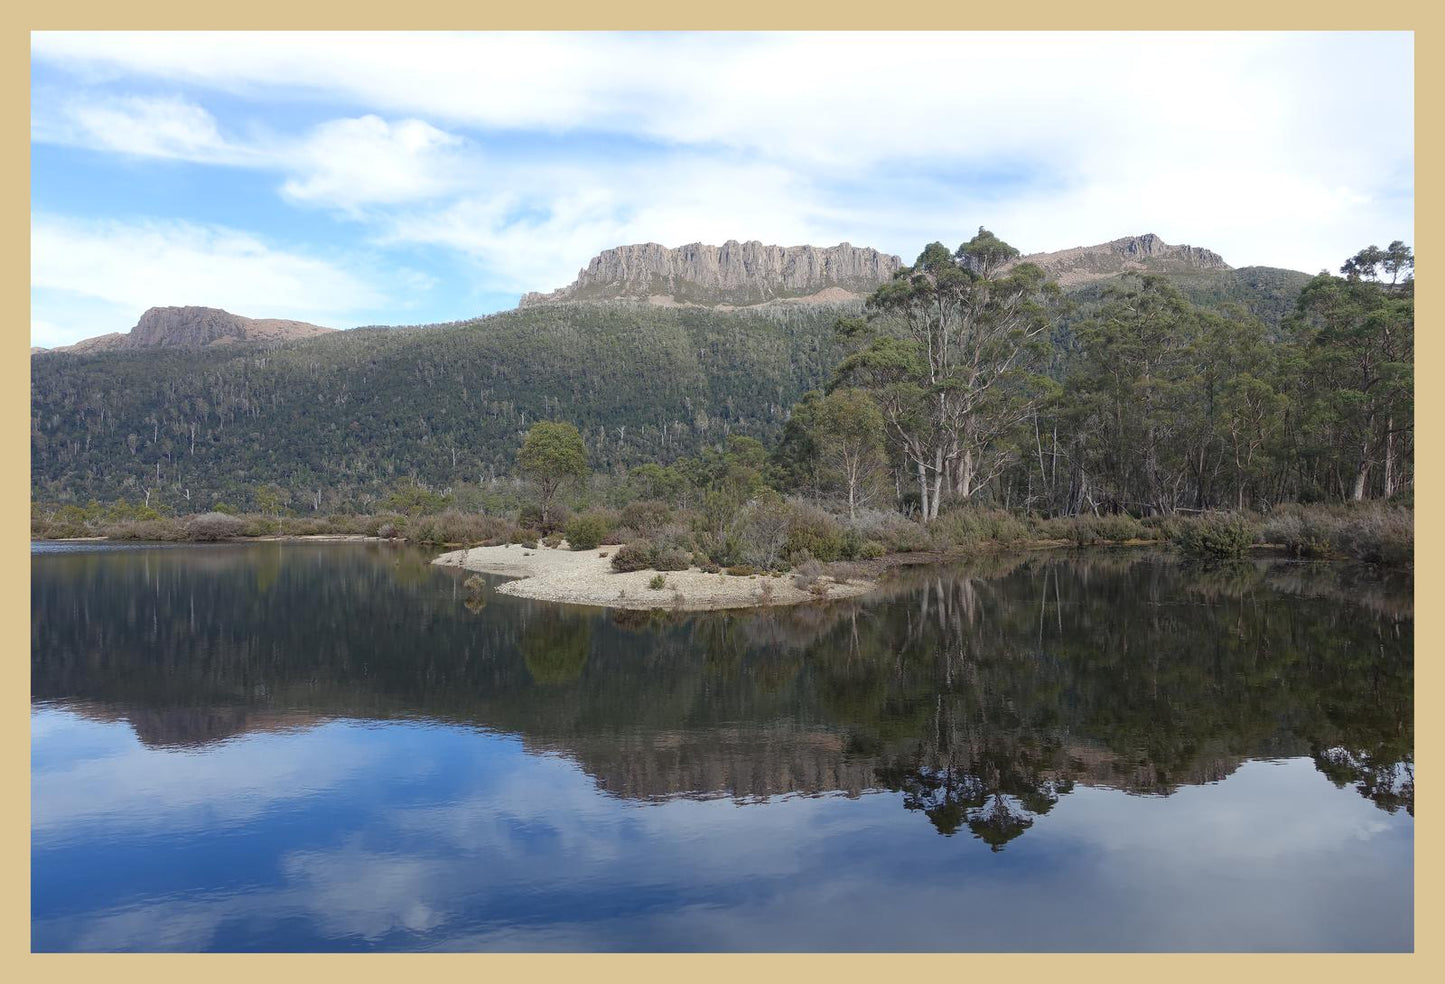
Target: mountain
[(1132, 254), (731, 275), (176, 406), (194, 327)]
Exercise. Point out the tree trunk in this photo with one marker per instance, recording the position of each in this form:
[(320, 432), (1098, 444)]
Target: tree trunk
[(923, 492), (1389, 457)]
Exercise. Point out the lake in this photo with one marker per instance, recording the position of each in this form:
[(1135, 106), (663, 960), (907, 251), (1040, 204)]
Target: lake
[(337, 746)]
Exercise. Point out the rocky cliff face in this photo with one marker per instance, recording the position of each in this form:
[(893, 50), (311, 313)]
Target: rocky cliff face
[(195, 327), (1143, 254), (733, 274)]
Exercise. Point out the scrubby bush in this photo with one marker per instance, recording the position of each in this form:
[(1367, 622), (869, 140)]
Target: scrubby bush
[(973, 526), (148, 529), (1120, 529), (634, 556), (762, 530), (646, 516), (657, 583), (1216, 535), (1302, 534), (671, 559), (1380, 536), (806, 574), (557, 517), (871, 550), (586, 531), (742, 570), (813, 532), (455, 526), (1371, 533), (214, 526)]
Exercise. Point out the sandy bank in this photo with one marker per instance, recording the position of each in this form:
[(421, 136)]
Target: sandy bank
[(585, 577)]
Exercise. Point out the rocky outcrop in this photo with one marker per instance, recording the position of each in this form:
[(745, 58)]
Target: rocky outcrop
[(195, 327), (734, 274), (1132, 254)]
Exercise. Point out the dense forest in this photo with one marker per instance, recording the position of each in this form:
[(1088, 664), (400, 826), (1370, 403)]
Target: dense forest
[(338, 423)]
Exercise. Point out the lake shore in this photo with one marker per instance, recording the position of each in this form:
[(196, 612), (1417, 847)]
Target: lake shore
[(586, 577)]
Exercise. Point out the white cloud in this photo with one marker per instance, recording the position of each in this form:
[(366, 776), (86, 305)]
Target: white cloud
[(529, 153), (542, 224), (350, 163), (120, 266), (168, 127)]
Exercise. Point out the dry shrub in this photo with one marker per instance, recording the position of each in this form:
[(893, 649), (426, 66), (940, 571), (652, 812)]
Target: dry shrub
[(214, 526), (635, 556)]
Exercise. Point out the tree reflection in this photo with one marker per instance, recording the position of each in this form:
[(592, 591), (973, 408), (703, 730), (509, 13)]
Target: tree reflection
[(555, 649), (980, 693)]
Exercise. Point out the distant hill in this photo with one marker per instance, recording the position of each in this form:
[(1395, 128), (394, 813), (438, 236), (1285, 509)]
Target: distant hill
[(733, 275), (1132, 254), (194, 327), (1268, 293)]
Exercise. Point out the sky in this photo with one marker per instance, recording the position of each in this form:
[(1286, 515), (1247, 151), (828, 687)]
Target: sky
[(360, 179)]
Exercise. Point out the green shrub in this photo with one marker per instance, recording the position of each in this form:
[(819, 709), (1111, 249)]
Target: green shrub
[(1118, 529), (635, 556), (814, 532), (742, 570), (586, 531), (657, 583), (1216, 535)]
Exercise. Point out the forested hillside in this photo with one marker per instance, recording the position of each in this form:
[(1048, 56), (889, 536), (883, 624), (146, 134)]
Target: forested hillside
[(336, 422), (1267, 293), (347, 416)]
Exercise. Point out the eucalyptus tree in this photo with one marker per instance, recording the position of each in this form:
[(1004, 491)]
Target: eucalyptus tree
[(1357, 338), (850, 438), (953, 347), (552, 456)]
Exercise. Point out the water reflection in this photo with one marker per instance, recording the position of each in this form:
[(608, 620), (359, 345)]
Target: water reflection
[(343, 709)]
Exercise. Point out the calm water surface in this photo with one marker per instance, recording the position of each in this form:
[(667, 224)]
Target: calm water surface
[(338, 747)]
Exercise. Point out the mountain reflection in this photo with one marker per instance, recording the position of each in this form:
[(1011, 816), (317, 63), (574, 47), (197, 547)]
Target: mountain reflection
[(981, 693)]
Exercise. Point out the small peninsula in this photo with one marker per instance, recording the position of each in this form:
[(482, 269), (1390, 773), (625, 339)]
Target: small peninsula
[(586, 577)]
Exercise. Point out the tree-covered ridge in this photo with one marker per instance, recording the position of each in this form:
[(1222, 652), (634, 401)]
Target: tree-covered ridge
[(353, 414), (1145, 394)]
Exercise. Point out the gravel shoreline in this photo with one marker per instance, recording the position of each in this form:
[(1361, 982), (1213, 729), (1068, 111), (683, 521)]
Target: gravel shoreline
[(585, 577)]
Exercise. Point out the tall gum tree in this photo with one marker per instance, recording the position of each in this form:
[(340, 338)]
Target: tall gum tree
[(952, 353)]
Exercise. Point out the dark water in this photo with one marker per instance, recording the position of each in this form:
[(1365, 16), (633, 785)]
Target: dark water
[(336, 747)]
